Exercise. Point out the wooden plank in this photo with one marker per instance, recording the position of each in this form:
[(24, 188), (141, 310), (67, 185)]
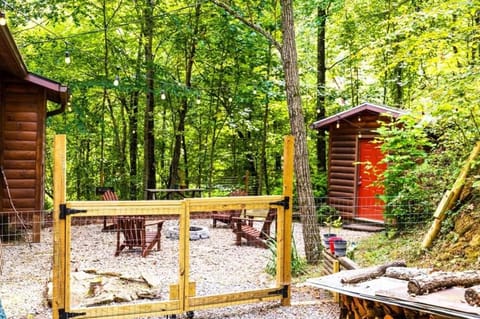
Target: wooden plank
[(340, 175), (19, 164), (20, 203), (21, 126), (20, 145), (235, 298), (20, 174), (19, 155), (343, 155), (341, 201), (342, 163), (21, 117), (19, 193), (21, 183), (19, 136), (341, 182), (157, 309), (342, 189), (343, 169)]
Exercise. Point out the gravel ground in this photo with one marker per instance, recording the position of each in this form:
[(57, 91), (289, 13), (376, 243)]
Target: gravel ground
[(216, 266)]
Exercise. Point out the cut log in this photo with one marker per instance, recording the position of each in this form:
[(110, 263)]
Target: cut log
[(472, 295), (359, 275), (422, 285), (406, 273)]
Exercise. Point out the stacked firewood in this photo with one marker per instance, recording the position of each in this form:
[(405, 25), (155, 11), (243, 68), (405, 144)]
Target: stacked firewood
[(421, 281), (356, 308)]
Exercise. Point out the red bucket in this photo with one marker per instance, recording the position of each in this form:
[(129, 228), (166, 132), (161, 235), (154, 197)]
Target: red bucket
[(331, 241)]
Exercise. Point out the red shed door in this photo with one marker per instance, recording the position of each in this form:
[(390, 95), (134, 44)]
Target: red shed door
[(369, 206)]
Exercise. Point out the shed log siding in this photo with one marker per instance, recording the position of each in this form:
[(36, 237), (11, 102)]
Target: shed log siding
[(23, 110), (342, 169)]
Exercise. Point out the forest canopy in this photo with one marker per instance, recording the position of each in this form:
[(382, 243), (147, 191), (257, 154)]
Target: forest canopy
[(184, 92)]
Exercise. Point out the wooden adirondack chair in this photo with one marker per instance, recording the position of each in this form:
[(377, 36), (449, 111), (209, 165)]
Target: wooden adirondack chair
[(109, 195), (226, 216), (244, 228), (136, 233)]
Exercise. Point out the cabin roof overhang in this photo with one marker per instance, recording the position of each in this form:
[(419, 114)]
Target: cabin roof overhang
[(11, 62), (365, 107)]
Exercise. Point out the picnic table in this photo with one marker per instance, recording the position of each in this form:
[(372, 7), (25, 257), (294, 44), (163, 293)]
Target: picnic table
[(175, 193)]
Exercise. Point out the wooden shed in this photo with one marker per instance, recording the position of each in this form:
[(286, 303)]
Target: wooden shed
[(23, 111), (353, 161)]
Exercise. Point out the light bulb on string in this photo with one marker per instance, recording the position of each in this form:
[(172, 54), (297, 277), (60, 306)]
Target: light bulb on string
[(230, 99), (338, 124), (68, 59), (359, 134), (3, 20), (116, 82), (163, 96), (198, 101)]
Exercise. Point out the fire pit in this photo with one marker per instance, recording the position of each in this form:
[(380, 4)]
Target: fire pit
[(196, 232)]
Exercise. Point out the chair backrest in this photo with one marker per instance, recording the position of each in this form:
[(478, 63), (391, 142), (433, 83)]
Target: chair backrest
[(237, 212), (109, 195), (133, 229), (272, 214)]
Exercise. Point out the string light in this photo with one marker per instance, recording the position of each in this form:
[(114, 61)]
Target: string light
[(359, 134), (3, 20), (116, 82), (68, 59), (163, 96), (198, 101), (359, 118), (338, 124)]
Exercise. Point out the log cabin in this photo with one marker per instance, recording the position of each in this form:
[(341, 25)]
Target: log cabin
[(24, 97), (354, 161)]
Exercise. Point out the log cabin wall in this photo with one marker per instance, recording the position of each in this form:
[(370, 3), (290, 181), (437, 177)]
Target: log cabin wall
[(343, 154), (22, 139)]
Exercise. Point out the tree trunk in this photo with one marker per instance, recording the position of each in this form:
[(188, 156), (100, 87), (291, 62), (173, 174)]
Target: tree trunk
[(321, 82), (174, 178), (149, 138), (311, 231), (288, 52)]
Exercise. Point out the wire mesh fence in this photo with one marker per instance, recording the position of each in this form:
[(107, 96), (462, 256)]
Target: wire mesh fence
[(216, 265)]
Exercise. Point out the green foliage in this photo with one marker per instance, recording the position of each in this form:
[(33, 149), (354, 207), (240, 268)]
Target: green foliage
[(327, 214), (404, 144), (299, 264)]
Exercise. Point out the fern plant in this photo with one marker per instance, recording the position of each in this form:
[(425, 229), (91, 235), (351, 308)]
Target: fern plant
[(298, 263)]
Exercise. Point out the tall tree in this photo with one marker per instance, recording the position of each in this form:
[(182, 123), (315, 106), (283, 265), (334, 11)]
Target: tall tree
[(288, 52), (149, 134), (190, 50)]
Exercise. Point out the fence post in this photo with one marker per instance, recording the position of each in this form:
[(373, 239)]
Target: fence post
[(286, 269), (59, 230)]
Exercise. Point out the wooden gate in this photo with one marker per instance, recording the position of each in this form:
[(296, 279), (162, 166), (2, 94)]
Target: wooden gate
[(181, 295)]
